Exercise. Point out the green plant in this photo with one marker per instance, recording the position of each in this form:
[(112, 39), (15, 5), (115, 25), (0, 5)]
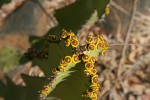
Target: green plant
[(74, 65), (68, 67), (9, 58)]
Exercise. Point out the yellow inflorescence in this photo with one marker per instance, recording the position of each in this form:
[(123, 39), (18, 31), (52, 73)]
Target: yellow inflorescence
[(92, 47), (102, 44), (89, 65), (74, 43), (89, 39), (90, 71), (89, 61), (75, 58), (85, 58), (68, 59), (70, 38), (64, 63), (94, 87), (68, 42)]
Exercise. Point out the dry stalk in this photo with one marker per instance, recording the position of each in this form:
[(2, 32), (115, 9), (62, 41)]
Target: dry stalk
[(122, 61)]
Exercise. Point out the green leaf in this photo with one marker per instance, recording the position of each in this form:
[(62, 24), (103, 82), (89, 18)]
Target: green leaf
[(74, 16), (10, 91), (9, 58), (55, 54), (13, 92), (33, 85), (31, 82), (40, 43), (73, 84), (3, 88)]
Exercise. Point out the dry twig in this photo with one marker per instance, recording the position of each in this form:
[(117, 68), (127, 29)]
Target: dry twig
[(127, 39), (50, 16)]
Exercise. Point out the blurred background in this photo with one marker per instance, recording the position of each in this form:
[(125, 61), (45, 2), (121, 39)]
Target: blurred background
[(124, 71)]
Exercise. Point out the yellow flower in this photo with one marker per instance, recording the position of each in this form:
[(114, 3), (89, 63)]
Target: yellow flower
[(89, 65), (87, 72), (58, 69), (62, 68), (94, 79), (93, 72), (93, 59), (89, 39), (73, 37), (45, 91), (68, 59), (98, 45), (95, 89), (90, 94), (90, 72), (100, 39), (75, 58), (85, 58), (68, 42), (92, 47), (62, 62), (74, 43), (94, 96), (103, 52), (70, 33), (63, 34)]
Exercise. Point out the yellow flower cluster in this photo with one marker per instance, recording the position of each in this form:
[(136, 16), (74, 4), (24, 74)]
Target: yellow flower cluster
[(97, 43), (89, 67), (65, 62), (92, 73), (70, 38), (93, 43), (102, 44), (90, 39)]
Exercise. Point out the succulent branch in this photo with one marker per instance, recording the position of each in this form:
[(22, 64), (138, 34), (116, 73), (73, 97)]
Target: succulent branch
[(95, 46)]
